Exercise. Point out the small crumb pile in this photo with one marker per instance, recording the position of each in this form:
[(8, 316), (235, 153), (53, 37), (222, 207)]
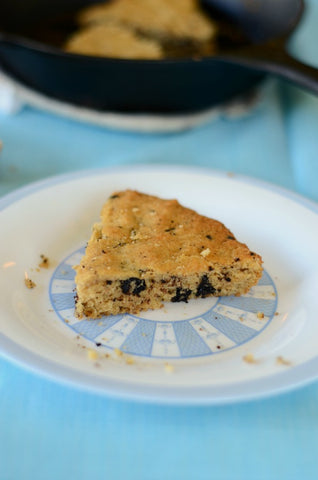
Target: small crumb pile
[(45, 263), (29, 283)]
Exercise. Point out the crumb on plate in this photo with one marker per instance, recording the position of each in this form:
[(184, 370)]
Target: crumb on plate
[(283, 361), (92, 354), (118, 352), (169, 368), (45, 263), (28, 282), (249, 358), (129, 360)]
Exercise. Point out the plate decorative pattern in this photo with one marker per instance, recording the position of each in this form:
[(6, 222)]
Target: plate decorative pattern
[(220, 324)]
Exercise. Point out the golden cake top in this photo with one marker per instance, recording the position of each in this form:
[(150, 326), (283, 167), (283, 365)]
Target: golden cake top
[(141, 234)]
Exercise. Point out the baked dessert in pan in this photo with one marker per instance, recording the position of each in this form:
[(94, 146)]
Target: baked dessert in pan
[(143, 29)]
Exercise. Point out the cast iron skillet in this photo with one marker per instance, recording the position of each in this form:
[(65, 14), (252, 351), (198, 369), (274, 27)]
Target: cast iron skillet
[(157, 86)]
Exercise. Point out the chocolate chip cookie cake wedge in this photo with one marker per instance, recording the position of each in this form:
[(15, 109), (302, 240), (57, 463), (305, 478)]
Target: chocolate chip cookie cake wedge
[(147, 250)]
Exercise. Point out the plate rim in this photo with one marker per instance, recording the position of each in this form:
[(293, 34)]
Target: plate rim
[(278, 383), (51, 180)]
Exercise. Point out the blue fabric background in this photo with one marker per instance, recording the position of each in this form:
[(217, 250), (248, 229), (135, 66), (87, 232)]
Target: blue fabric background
[(49, 431)]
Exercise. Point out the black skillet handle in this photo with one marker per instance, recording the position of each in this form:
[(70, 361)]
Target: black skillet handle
[(272, 58)]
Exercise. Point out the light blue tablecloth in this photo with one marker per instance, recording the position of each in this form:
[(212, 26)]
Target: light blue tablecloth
[(48, 431)]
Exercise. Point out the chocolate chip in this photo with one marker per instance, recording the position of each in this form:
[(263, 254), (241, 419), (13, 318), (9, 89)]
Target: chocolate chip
[(204, 288), (230, 237), (182, 295), (209, 237), (132, 285)]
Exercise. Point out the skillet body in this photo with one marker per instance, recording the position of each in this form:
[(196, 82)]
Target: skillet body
[(155, 86)]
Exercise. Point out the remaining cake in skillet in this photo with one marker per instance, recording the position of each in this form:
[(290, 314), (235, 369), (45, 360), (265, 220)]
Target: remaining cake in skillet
[(163, 18), (111, 40), (147, 250), (144, 29)]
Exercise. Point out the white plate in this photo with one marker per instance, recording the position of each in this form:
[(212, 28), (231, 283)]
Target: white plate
[(185, 353)]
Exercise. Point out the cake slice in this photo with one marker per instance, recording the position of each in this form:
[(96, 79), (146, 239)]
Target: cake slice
[(147, 250)]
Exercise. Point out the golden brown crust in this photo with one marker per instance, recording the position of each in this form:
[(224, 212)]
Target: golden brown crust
[(152, 241)]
